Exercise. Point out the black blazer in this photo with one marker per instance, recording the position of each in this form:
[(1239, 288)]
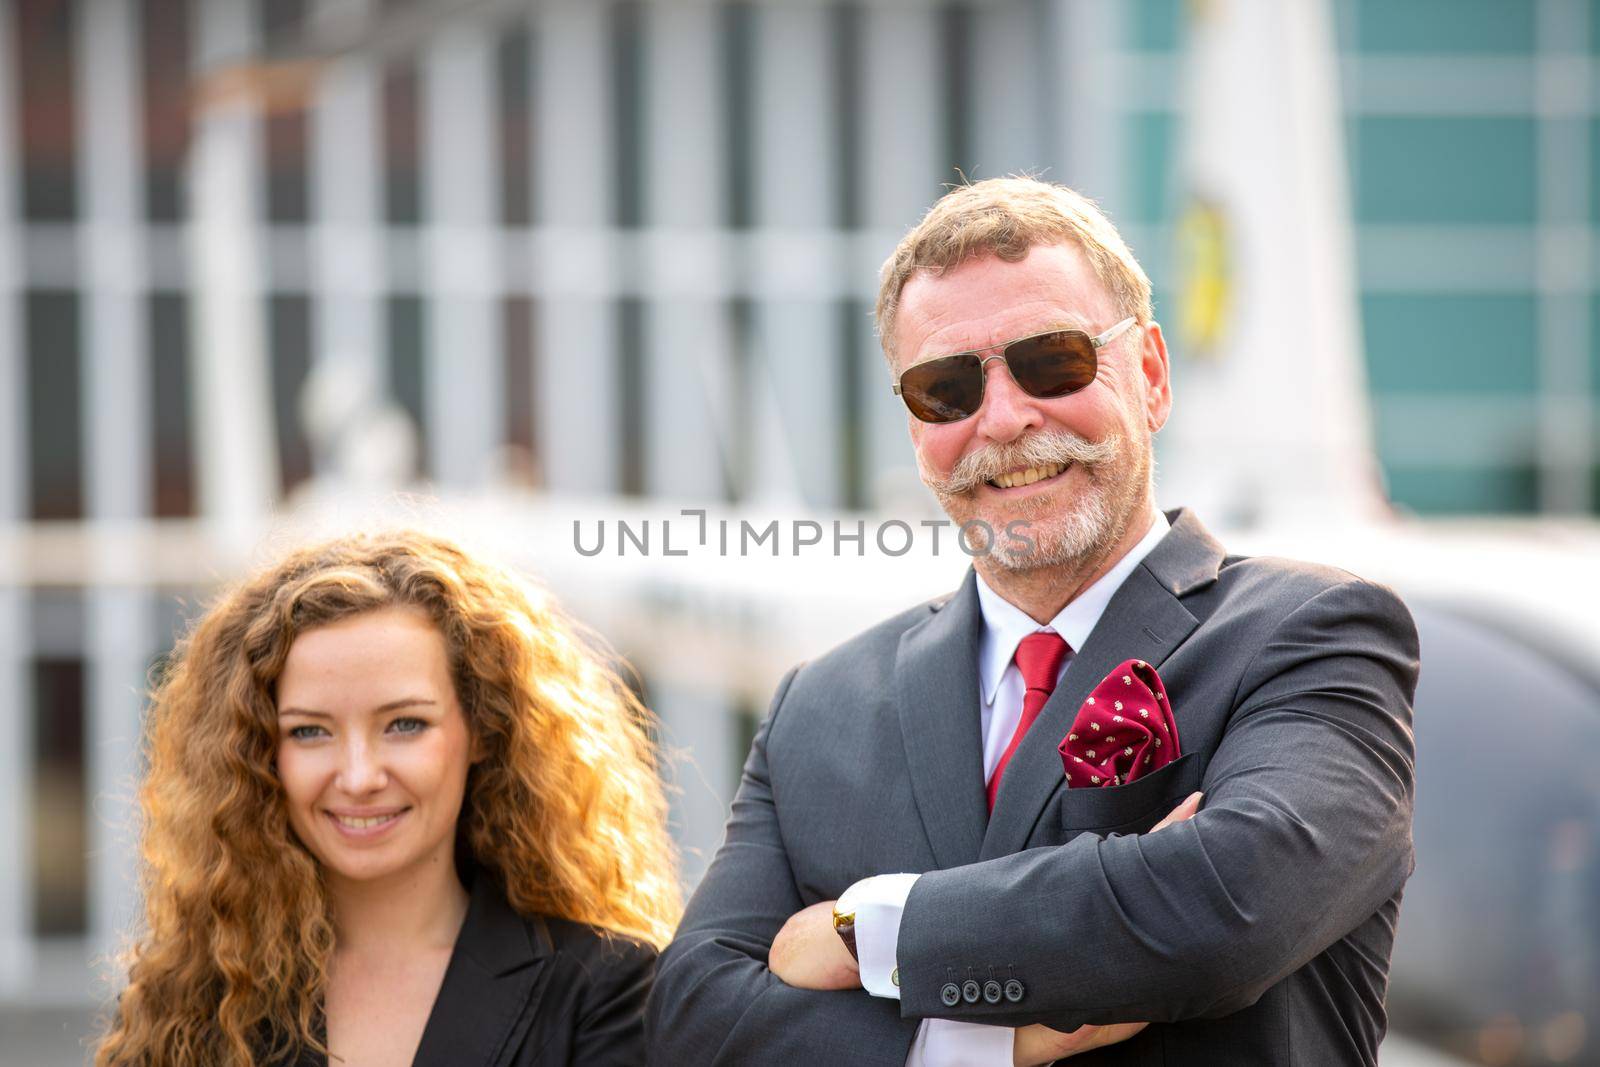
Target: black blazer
[(533, 992)]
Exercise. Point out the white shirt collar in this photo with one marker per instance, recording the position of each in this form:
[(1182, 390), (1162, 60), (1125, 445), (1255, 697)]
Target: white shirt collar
[(1005, 624)]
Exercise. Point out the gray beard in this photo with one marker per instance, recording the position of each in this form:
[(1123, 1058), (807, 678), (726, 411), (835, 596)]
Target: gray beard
[(1071, 538)]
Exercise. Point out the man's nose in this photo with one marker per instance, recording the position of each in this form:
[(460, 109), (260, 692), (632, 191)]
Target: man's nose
[(361, 769), (1007, 411)]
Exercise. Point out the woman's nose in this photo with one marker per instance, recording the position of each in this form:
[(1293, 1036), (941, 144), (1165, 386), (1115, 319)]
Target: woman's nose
[(360, 769)]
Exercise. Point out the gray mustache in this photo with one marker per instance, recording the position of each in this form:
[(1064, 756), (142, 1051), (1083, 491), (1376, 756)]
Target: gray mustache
[(1036, 450)]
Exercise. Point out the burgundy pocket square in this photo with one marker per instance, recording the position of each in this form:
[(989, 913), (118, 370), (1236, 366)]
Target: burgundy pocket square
[(1124, 731)]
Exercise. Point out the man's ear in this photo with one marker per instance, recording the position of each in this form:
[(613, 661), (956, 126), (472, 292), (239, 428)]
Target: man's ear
[(1156, 376)]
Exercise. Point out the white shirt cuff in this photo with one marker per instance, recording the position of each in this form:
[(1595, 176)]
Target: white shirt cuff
[(877, 903), (949, 1043)]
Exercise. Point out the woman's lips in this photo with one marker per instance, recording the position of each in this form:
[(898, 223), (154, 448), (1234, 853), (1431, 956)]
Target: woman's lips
[(366, 827)]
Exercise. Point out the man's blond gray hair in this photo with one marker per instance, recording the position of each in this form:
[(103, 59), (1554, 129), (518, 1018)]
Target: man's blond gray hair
[(1005, 217)]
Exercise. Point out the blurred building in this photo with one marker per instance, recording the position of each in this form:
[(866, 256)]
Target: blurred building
[(629, 250)]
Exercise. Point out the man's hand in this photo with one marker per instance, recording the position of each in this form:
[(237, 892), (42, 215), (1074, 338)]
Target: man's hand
[(1038, 1044), (1035, 1045), (1182, 813), (808, 954)]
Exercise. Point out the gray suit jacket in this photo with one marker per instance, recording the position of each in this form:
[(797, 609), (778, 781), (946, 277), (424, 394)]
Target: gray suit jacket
[(1258, 932)]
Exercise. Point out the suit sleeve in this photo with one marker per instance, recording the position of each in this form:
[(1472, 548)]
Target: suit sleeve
[(610, 1023), (715, 1002), (1304, 833)]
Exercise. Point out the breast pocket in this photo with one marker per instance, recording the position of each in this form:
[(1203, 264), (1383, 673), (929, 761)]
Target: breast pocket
[(1132, 808)]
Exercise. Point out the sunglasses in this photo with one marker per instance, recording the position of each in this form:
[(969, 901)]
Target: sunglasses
[(1045, 366)]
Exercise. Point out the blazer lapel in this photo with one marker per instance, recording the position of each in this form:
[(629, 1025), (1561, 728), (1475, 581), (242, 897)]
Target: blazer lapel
[(1144, 620), (936, 682), (484, 1000)]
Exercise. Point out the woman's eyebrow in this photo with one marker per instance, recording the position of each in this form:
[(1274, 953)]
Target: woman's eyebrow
[(393, 705)]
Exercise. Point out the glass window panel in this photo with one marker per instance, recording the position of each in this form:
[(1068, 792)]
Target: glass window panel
[(1594, 158), (630, 392), (402, 164), (1594, 344), (405, 314), (1155, 24), (850, 313), (55, 415), (736, 31), (172, 449), (1455, 343), (848, 26), (284, 128), (1445, 170), (1152, 142), (164, 41), (289, 337), (60, 828), (514, 76), (45, 90), (1469, 490), (1485, 27), (520, 382), (627, 118), (957, 32)]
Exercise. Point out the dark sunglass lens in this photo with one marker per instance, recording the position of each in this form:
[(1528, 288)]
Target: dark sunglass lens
[(944, 390), (1053, 364)]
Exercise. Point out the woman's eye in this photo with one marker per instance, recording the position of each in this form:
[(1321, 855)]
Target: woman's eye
[(307, 733), (407, 726)]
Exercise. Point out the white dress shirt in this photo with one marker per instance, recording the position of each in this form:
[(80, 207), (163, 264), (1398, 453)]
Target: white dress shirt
[(879, 901)]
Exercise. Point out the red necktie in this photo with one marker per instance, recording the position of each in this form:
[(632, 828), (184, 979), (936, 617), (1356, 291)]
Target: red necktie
[(1039, 658)]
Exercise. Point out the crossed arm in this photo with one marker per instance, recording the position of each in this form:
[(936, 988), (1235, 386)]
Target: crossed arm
[(1306, 832), (807, 953)]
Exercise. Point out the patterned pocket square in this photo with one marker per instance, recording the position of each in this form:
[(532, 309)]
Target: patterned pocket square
[(1124, 731)]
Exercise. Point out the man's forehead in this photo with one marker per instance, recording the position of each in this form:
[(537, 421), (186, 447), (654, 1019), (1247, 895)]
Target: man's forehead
[(987, 302)]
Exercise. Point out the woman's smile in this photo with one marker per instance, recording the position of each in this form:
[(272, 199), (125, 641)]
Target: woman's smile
[(366, 826)]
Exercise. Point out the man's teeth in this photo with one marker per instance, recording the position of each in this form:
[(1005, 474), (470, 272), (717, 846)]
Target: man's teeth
[(1029, 476), (363, 824)]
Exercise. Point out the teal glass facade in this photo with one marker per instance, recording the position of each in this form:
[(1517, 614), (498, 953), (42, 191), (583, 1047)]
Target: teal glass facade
[(1473, 140)]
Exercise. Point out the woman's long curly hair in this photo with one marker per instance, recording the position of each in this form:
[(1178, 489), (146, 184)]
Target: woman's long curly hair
[(564, 810)]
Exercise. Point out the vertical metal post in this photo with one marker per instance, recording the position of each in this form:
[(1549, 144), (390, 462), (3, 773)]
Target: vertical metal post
[(347, 239), (901, 174), (236, 446), (16, 705), (797, 442), (465, 353), (688, 387), (1569, 449), (118, 474), (579, 415)]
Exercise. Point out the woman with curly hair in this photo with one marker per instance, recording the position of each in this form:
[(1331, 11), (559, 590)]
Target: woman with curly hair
[(395, 812)]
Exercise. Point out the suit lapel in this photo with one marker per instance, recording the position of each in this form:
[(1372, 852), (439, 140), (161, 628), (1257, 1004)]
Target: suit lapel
[(1144, 620), (936, 681), (491, 977)]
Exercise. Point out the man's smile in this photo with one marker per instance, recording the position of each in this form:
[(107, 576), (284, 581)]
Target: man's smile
[(1012, 481)]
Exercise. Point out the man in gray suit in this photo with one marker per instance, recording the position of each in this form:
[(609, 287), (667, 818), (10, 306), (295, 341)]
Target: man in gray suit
[(868, 907)]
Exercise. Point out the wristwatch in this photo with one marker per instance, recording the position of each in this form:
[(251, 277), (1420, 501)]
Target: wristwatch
[(844, 924)]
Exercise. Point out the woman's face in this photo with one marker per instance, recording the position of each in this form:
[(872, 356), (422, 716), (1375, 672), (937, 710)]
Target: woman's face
[(373, 747)]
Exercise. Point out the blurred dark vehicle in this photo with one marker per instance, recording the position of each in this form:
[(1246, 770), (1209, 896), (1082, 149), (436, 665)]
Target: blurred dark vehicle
[(1497, 957)]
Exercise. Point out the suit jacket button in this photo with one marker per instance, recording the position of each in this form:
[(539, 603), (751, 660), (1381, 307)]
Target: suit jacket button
[(950, 994), (1015, 990), (991, 992), (971, 991)]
